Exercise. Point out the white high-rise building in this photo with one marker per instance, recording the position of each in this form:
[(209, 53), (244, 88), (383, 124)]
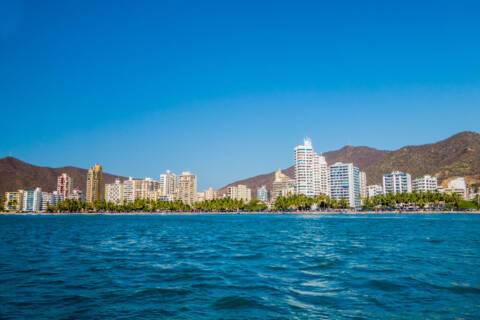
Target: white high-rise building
[(425, 184), (363, 185), (32, 200), (129, 190), (374, 190), (262, 194), (311, 171), (345, 183), (168, 185), (397, 182), (321, 176), (240, 192), (114, 192), (64, 185), (50, 199)]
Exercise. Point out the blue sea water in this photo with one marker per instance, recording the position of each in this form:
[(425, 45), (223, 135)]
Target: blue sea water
[(240, 266)]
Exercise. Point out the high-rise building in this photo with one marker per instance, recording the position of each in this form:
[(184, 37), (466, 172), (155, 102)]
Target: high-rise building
[(425, 184), (64, 185), (304, 168), (13, 201), (132, 190), (149, 188), (211, 194), (32, 200), (240, 192), (50, 199), (374, 190), (262, 193), (345, 183), (282, 186), (168, 185), (187, 189), (321, 176), (95, 184), (363, 185), (311, 171), (114, 192), (397, 182)]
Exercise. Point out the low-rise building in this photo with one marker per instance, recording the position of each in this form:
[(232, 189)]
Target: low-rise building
[(240, 192), (13, 201), (425, 184), (374, 190), (282, 186)]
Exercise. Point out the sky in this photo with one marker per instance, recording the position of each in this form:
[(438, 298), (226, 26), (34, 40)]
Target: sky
[(226, 89)]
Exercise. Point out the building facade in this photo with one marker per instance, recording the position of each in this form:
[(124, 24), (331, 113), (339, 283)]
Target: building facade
[(282, 186), (262, 194), (374, 190), (64, 185), (32, 200), (13, 201), (240, 192), (187, 188), (168, 185), (114, 192), (397, 182), (345, 183), (425, 184), (95, 184)]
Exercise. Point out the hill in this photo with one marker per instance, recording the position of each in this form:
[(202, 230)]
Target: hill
[(16, 174), (459, 155)]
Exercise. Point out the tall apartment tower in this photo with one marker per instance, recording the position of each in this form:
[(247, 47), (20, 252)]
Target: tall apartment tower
[(64, 186), (187, 189), (168, 185), (397, 182), (311, 171), (345, 183), (95, 184)]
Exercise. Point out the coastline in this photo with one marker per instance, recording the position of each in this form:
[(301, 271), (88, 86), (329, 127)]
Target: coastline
[(238, 213)]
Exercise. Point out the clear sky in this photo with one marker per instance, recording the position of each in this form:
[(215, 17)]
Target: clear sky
[(226, 89)]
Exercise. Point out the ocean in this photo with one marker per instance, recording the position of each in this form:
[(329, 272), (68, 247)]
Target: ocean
[(252, 266)]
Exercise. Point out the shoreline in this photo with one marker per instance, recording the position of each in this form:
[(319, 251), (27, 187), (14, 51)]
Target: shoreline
[(238, 213)]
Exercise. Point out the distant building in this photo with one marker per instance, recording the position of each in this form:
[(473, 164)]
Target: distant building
[(425, 184), (311, 171), (211, 194), (200, 197), (187, 189), (374, 190), (64, 185), (32, 200), (13, 201), (457, 186), (50, 199), (168, 185), (282, 186), (77, 194), (397, 182), (262, 193), (345, 183), (114, 192), (240, 192), (95, 184), (363, 185)]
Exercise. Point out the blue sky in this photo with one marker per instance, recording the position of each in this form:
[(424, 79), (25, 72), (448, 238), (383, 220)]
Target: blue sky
[(226, 89)]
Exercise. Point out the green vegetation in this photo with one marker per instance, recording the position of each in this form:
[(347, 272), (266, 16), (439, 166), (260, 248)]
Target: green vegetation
[(142, 205), (421, 200), (303, 203)]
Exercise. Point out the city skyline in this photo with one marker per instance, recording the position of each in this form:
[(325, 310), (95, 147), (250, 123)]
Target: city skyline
[(179, 95)]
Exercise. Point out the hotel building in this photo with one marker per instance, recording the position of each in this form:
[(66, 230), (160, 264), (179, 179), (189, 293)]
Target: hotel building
[(262, 194), (168, 187), (13, 201), (311, 171), (95, 184), (114, 192), (374, 190), (282, 186), (187, 188), (240, 192), (32, 200), (397, 182), (345, 183), (425, 184), (64, 185)]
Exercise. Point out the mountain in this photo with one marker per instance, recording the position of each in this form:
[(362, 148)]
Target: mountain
[(16, 174), (458, 155)]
